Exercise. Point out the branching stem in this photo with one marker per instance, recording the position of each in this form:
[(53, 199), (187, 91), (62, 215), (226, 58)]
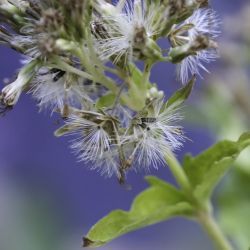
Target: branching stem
[(203, 215)]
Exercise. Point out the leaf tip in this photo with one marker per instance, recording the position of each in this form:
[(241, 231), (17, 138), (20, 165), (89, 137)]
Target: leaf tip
[(87, 242), (244, 140)]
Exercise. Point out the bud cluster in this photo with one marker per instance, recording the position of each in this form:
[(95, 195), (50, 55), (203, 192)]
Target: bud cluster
[(75, 49)]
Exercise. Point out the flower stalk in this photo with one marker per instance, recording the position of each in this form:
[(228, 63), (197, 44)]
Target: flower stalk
[(203, 215), (213, 230)]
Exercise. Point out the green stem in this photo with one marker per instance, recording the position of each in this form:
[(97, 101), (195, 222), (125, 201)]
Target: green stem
[(108, 83), (211, 227), (146, 73), (67, 67), (178, 172), (203, 215)]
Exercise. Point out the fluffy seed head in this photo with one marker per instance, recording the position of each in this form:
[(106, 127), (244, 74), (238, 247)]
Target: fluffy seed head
[(124, 32), (154, 135), (199, 31), (56, 89)]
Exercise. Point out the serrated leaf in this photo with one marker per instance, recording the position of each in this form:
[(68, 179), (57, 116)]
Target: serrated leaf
[(205, 170), (181, 95), (106, 101), (157, 203)]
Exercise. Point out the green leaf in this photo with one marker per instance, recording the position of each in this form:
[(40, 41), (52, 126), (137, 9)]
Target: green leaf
[(157, 203), (106, 101), (205, 170), (181, 95), (156, 182)]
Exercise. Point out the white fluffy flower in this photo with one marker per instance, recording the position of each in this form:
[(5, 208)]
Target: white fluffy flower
[(155, 135), (131, 21), (204, 21), (93, 140), (93, 144), (55, 88), (108, 164)]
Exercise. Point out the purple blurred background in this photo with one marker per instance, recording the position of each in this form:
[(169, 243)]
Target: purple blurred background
[(48, 201)]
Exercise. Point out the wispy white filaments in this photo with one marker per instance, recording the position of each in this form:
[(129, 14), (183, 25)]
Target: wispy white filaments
[(109, 163), (54, 89), (92, 142), (122, 30), (155, 135), (203, 22), (144, 144)]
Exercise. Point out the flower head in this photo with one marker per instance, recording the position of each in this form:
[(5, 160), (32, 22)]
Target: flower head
[(198, 32), (154, 135), (57, 89), (114, 148), (95, 142), (126, 31), (35, 26)]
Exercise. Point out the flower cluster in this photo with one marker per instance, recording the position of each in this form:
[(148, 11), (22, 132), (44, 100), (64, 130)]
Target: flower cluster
[(81, 63)]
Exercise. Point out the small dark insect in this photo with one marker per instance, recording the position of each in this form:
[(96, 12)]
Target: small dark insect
[(98, 30), (58, 74), (148, 119), (145, 121), (88, 82)]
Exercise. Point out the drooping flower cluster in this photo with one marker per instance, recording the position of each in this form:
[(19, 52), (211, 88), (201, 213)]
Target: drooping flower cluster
[(81, 63)]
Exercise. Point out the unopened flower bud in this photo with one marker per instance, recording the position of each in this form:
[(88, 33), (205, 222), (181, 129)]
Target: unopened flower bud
[(11, 92), (154, 93)]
